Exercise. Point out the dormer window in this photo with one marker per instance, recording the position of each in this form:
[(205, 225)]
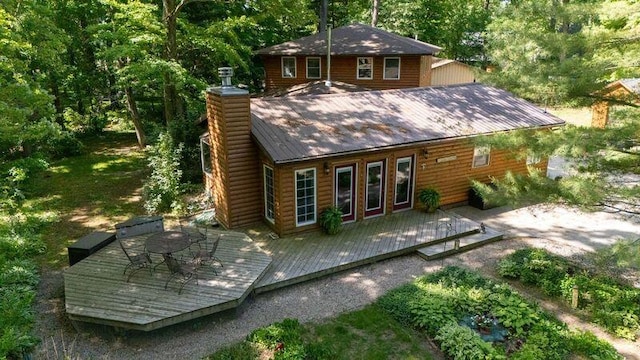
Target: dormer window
[(313, 68), (365, 68), (288, 66), (391, 68)]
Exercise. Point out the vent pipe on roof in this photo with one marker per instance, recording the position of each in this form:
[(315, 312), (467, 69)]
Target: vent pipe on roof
[(327, 83), (225, 74)]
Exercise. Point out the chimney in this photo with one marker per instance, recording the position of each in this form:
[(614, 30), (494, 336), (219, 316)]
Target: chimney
[(235, 164)]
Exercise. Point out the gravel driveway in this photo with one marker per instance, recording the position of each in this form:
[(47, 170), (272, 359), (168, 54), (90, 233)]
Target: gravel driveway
[(560, 230)]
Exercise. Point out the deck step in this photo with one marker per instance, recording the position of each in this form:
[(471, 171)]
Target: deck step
[(466, 243)]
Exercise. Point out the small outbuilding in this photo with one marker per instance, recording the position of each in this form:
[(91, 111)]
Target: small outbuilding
[(451, 72), (622, 91)]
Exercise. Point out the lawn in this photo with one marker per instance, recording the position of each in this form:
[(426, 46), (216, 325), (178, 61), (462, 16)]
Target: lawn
[(89, 192), (575, 116), (370, 333)]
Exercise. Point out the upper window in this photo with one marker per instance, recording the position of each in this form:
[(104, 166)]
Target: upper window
[(365, 68), (205, 154), (481, 156), (305, 188), (313, 68), (288, 67), (269, 198), (392, 68)]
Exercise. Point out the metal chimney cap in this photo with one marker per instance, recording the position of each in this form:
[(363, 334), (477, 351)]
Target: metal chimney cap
[(225, 74)]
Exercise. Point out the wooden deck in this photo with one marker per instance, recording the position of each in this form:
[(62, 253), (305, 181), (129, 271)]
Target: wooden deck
[(254, 261), (312, 255), (96, 290)]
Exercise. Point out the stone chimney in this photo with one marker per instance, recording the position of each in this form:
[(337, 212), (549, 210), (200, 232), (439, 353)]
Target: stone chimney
[(235, 164)]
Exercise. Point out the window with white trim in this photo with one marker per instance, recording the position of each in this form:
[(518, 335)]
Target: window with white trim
[(288, 66), (205, 154), (533, 159), (365, 68), (305, 187), (269, 198), (481, 156), (391, 68), (313, 68)]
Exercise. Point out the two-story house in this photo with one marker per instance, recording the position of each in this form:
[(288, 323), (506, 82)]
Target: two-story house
[(361, 55)]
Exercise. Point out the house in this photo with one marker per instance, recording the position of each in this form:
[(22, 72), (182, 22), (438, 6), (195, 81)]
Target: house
[(623, 90), (283, 160), (451, 72), (360, 55)]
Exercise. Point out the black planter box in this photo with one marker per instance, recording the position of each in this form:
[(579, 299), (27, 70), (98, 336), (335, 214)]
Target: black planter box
[(89, 244), (477, 201)]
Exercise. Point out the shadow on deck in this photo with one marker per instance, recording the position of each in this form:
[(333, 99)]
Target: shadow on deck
[(254, 262)]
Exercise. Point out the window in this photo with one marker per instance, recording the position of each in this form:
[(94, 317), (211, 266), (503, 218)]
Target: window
[(269, 208), (288, 67), (392, 68), (481, 156), (404, 182), (365, 68), (305, 197), (313, 68), (205, 154), (533, 159)]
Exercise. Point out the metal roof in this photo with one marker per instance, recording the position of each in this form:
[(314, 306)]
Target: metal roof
[(300, 128), (354, 39), (632, 84)]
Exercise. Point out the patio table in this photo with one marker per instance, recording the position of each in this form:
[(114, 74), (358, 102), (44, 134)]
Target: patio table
[(167, 242)]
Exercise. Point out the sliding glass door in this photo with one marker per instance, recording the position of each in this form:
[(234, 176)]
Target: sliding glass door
[(345, 191), (403, 194), (375, 188)]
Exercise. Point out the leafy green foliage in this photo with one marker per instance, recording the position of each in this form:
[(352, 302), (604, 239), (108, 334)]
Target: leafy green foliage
[(331, 220), (162, 189), (608, 303), (461, 343), (430, 198)]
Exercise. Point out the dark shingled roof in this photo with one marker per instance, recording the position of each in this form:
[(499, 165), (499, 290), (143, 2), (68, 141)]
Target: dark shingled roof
[(354, 39), (300, 128)]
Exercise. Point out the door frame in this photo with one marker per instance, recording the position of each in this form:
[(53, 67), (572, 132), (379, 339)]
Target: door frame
[(408, 204), (380, 210), (353, 167)]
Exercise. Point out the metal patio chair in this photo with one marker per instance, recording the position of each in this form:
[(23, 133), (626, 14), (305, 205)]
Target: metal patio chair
[(205, 254), (136, 261), (195, 233), (180, 270)]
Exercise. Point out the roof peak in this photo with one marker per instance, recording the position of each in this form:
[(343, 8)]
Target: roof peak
[(353, 39)]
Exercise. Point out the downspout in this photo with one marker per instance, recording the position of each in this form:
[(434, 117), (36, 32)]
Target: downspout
[(327, 83)]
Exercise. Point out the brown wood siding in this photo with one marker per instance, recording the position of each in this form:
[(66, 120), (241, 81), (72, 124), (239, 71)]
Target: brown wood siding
[(344, 68), (451, 74), (235, 170), (425, 70), (451, 178)]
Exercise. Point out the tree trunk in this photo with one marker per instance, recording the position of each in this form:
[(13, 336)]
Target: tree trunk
[(169, 15), (135, 117), (57, 101), (374, 13), (324, 10)]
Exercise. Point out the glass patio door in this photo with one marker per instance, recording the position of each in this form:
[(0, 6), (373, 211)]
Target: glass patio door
[(345, 191), (375, 189), (404, 183)]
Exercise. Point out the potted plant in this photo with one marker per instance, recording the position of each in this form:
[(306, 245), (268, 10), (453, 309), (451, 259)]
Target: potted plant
[(331, 220), (430, 198)]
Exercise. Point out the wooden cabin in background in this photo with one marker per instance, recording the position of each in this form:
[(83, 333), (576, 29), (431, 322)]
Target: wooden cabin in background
[(360, 55), (623, 90), (284, 160), (451, 72)]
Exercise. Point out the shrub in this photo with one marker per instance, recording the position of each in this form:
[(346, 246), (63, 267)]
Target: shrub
[(430, 198), (461, 343), (536, 267), (397, 303), (162, 190), (331, 220), (588, 344), (514, 312), (66, 144), (433, 311)]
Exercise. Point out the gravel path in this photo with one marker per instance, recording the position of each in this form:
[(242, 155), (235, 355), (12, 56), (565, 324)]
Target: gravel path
[(327, 297)]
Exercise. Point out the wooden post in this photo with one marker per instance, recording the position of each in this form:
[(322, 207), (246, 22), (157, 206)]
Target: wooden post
[(574, 298)]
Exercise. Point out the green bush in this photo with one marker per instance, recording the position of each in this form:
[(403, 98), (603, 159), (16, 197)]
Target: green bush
[(162, 190), (514, 312), (397, 302), (461, 343), (610, 304), (331, 220), (434, 310), (588, 344), (430, 198), (64, 145)]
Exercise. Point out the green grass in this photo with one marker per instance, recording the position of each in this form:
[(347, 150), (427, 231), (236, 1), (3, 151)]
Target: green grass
[(369, 333), (89, 192)]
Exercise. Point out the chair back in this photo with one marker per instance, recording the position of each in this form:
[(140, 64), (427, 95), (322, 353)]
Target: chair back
[(214, 246), (125, 250), (173, 264)]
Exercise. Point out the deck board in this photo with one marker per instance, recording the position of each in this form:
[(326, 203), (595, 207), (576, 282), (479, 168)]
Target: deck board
[(96, 291)]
